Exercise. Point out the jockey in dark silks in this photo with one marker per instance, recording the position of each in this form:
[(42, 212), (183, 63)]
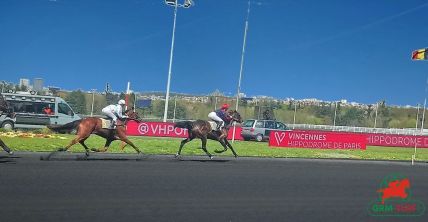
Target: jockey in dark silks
[(220, 116)]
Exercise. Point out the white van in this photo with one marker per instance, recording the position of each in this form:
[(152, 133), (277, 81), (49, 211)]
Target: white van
[(34, 111)]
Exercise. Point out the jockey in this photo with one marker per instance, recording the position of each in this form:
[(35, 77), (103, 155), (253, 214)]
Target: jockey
[(114, 112), (220, 116)]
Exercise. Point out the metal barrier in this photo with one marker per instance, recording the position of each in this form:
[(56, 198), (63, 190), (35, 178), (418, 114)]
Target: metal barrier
[(354, 129)]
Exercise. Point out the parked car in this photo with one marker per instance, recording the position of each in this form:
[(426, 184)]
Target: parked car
[(260, 129)]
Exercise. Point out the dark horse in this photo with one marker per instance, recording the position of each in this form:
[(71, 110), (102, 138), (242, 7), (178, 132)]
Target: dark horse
[(93, 125), (202, 129), (5, 110)]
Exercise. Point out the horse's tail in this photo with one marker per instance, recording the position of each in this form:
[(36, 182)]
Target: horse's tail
[(69, 127), (184, 124)]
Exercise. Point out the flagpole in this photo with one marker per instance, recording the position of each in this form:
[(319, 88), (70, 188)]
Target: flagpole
[(420, 54), (423, 116), (416, 130)]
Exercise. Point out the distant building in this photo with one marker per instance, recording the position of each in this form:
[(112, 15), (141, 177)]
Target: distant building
[(24, 82), (38, 84)]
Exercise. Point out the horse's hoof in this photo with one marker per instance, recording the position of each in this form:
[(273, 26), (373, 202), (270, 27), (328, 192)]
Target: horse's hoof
[(211, 157), (87, 153), (176, 155), (62, 149), (11, 152), (236, 156)]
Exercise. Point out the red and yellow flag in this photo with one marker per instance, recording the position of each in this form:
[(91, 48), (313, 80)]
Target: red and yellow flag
[(420, 54)]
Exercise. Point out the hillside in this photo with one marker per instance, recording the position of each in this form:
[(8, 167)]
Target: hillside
[(322, 114)]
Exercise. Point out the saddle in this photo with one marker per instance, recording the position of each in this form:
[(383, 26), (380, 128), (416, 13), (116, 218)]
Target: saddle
[(105, 123), (214, 125)]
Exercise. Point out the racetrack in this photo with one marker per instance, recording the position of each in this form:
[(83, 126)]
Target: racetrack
[(115, 187)]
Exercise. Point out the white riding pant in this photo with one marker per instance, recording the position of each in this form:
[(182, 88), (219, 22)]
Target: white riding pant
[(213, 116), (218, 120), (110, 114)]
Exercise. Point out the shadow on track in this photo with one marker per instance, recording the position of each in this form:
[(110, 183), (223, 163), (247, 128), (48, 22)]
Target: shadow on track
[(61, 156), (207, 161), (190, 159), (9, 159)]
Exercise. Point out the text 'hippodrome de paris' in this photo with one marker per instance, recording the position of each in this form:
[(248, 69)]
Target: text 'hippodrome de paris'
[(397, 140)]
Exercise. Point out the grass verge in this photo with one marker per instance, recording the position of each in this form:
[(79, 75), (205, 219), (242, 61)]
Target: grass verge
[(150, 145)]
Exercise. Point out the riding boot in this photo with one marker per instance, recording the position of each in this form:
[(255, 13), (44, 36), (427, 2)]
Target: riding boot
[(219, 125), (113, 124)]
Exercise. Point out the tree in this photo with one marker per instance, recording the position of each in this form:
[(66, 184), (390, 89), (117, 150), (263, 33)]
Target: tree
[(21, 88), (369, 110), (352, 117), (384, 115), (77, 101), (180, 110), (290, 105), (323, 110), (111, 98)]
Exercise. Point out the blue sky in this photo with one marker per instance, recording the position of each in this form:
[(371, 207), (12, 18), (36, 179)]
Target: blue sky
[(354, 49)]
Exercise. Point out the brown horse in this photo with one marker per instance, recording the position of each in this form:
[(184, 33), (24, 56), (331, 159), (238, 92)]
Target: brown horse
[(93, 125), (202, 129)]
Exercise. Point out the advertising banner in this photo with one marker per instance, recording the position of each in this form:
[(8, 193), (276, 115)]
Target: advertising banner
[(376, 139), (295, 138), (156, 129), (161, 129), (317, 140)]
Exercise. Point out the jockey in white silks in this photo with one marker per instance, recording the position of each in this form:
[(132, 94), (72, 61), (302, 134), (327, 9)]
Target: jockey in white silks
[(114, 112)]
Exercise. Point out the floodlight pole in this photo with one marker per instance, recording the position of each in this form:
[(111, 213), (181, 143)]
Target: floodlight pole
[(242, 66), (375, 120), (294, 118), (242, 57), (165, 114), (175, 107), (93, 100), (135, 99), (335, 113), (187, 4)]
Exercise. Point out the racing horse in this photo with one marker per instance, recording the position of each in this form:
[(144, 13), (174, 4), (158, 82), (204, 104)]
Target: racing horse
[(5, 110), (93, 125), (203, 130)]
